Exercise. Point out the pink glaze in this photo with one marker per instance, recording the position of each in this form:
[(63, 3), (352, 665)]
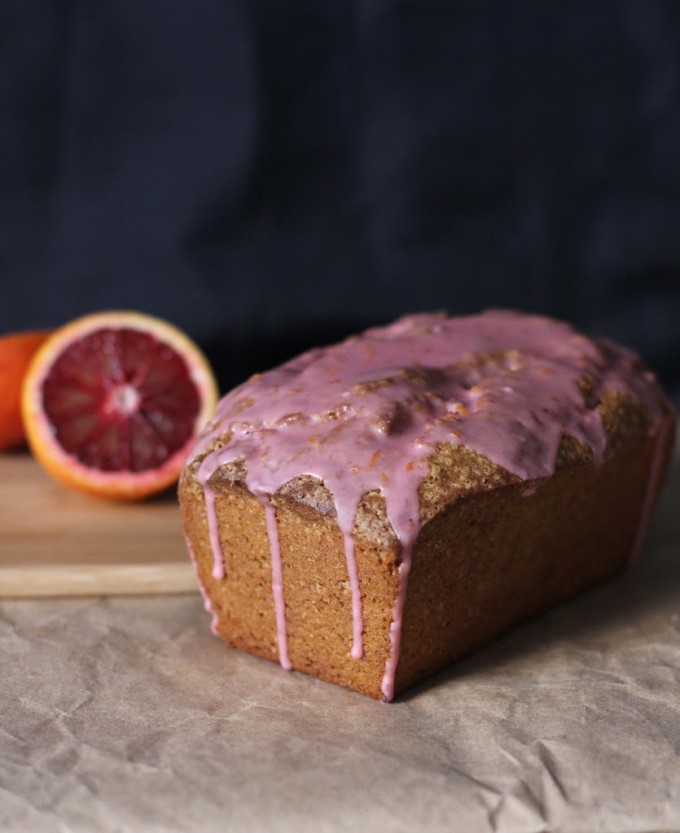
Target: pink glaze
[(277, 581), (206, 600), (213, 528), (365, 414), (654, 481), (357, 651)]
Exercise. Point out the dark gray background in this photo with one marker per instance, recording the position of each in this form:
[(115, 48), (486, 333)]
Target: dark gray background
[(270, 175)]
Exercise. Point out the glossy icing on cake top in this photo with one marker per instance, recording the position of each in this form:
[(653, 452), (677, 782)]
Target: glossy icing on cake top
[(364, 415)]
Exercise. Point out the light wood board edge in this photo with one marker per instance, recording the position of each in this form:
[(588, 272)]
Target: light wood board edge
[(101, 580)]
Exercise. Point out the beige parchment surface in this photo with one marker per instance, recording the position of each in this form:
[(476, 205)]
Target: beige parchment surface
[(125, 714)]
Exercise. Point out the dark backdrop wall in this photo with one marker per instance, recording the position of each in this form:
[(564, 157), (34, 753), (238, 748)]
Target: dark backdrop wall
[(274, 174)]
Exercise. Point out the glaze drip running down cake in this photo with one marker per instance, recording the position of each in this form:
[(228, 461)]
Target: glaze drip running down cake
[(369, 511)]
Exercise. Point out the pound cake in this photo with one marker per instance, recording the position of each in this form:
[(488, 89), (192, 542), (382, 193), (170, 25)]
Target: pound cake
[(370, 511)]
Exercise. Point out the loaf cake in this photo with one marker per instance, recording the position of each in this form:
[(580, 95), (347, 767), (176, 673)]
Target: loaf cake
[(370, 511)]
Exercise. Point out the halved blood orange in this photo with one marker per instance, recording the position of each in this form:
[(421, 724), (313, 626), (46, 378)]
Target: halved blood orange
[(112, 403)]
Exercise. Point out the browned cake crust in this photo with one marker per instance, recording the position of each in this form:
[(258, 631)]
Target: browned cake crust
[(492, 551)]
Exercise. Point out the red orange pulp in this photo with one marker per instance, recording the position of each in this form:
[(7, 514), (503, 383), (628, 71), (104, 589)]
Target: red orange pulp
[(112, 403)]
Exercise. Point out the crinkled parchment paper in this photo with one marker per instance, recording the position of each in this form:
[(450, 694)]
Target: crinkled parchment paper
[(127, 715)]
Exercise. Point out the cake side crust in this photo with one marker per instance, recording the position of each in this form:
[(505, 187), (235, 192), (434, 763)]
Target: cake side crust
[(494, 560), (316, 587)]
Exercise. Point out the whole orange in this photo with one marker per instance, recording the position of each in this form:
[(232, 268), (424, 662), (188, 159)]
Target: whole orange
[(16, 352)]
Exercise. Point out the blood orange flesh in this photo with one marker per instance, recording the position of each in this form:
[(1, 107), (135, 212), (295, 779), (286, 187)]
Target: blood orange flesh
[(119, 400), (113, 401)]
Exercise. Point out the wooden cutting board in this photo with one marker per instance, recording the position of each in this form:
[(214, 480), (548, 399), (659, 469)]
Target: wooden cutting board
[(57, 542)]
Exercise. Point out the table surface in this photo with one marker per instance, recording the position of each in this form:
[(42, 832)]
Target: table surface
[(125, 714)]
